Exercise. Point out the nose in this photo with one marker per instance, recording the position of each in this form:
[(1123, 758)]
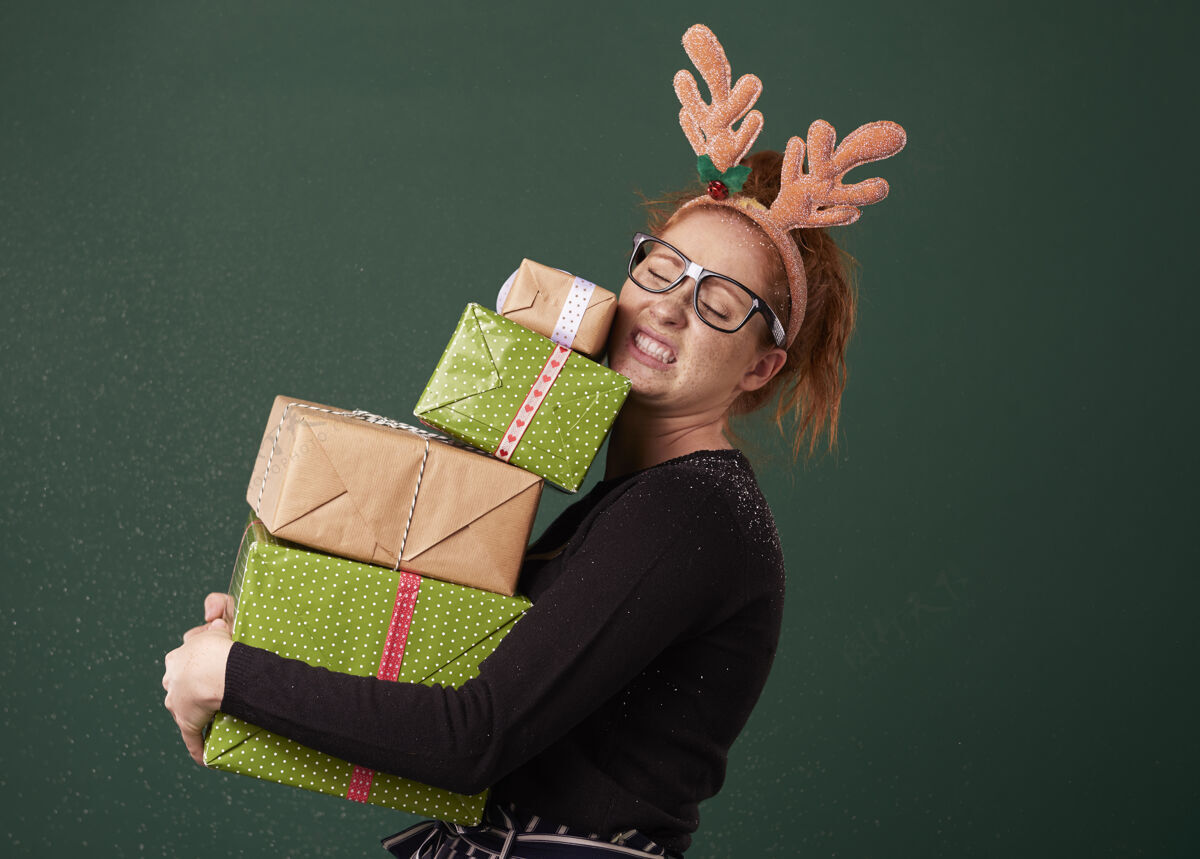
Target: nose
[(672, 307)]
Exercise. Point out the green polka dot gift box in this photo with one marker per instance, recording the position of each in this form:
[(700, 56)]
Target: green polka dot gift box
[(523, 398), (360, 619)]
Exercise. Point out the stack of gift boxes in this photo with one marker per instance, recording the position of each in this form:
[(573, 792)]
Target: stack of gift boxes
[(379, 549)]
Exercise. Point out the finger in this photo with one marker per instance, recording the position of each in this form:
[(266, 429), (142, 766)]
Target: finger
[(195, 630), (219, 625)]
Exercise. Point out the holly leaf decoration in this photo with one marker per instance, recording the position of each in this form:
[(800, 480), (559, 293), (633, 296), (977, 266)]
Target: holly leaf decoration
[(708, 171), (733, 178)]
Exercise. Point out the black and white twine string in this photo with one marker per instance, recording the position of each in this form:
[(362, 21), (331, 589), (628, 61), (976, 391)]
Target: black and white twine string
[(413, 505), (372, 418)]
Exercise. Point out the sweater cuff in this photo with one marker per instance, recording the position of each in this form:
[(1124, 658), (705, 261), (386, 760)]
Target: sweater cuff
[(240, 668)]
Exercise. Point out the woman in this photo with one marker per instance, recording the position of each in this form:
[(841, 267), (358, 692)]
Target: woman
[(607, 713)]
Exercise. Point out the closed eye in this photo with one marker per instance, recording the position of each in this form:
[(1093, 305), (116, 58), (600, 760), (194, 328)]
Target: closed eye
[(722, 315)]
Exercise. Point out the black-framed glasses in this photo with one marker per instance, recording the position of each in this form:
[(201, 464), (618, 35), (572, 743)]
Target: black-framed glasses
[(720, 302)]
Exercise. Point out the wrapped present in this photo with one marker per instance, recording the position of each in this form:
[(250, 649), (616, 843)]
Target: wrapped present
[(571, 311), (519, 396), (357, 619), (366, 488)]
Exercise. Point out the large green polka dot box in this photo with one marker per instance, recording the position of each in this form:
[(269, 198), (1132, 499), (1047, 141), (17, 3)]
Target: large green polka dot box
[(358, 619), (515, 394)]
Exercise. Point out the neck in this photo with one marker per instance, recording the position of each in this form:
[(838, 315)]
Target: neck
[(642, 437)]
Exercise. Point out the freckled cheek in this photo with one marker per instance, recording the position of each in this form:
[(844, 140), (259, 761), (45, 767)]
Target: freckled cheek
[(629, 293), (624, 321), (618, 336), (717, 369), (629, 304)]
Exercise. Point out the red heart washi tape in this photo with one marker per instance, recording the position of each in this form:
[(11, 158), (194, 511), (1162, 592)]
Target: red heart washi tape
[(538, 392)]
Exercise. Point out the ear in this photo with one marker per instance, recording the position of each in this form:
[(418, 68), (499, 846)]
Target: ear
[(763, 370)]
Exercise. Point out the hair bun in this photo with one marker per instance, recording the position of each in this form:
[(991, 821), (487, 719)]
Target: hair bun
[(764, 182)]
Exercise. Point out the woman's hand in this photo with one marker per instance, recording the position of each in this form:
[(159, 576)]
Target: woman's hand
[(195, 673)]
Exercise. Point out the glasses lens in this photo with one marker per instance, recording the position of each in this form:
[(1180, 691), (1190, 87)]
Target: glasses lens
[(722, 303), (656, 266)]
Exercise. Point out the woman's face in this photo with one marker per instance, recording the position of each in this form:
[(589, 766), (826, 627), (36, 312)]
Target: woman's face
[(676, 362)]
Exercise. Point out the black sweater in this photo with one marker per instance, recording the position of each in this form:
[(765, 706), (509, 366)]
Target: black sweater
[(613, 703)]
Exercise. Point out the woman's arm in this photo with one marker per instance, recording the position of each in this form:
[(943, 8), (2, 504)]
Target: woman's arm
[(654, 565)]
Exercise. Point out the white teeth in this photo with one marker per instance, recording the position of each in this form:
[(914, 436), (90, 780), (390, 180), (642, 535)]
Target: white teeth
[(654, 349)]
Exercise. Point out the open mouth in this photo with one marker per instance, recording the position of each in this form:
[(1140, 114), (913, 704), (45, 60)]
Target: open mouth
[(657, 350)]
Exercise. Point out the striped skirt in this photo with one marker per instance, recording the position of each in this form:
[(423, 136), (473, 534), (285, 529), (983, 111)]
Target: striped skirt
[(507, 834)]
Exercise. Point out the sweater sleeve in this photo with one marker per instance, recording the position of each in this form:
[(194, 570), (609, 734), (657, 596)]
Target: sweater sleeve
[(628, 587)]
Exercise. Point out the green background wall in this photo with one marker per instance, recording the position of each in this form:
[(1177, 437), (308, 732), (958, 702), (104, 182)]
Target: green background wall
[(989, 646)]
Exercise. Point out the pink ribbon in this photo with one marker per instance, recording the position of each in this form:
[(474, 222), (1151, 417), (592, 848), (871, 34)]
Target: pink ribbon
[(390, 659), (533, 401)]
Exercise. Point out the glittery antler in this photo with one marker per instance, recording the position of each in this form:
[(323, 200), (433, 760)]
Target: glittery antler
[(818, 198), (709, 128)]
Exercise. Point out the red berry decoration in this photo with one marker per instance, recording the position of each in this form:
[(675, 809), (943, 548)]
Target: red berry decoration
[(717, 190)]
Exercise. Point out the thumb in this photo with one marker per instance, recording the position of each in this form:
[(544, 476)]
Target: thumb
[(220, 624), (195, 745)]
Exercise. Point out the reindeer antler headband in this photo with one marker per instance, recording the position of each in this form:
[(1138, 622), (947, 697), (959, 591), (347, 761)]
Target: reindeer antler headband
[(816, 198)]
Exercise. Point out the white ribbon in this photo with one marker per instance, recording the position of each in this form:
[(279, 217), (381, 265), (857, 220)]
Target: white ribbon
[(502, 296), (572, 312), (571, 315)]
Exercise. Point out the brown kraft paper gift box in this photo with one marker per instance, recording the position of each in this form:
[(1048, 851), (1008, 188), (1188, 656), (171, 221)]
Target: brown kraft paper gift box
[(351, 485), (535, 300)]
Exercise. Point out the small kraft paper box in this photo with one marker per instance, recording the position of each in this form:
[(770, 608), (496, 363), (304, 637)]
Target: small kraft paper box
[(517, 395), (352, 617), (369, 489), (571, 311)]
